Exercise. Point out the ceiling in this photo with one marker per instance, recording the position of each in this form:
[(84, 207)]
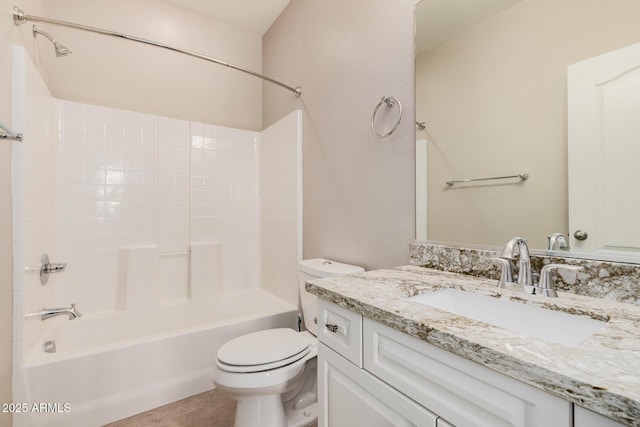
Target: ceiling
[(255, 16), (439, 20)]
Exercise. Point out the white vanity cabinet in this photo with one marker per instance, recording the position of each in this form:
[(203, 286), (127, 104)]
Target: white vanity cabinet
[(348, 395), (393, 379), (585, 418), (463, 392)]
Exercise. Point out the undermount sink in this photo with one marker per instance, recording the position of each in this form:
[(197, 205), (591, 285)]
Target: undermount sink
[(549, 325)]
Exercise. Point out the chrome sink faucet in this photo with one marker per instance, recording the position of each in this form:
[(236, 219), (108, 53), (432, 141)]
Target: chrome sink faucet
[(525, 275), (71, 311), (524, 283)]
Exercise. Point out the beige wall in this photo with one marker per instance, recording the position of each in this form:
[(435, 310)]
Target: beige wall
[(358, 189), (494, 100), (123, 74)]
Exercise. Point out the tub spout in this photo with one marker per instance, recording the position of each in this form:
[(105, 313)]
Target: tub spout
[(71, 311)]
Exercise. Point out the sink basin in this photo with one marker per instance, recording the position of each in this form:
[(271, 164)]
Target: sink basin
[(549, 325)]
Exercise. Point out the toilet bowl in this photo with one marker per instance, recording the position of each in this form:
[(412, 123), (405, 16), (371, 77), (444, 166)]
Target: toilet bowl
[(272, 373)]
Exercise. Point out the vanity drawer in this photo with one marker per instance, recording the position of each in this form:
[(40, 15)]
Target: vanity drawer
[(462, 392), (341, 330)]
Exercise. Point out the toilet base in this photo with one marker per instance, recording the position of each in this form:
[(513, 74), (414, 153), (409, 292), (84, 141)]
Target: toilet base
[(301, 404), (302, 417), (295, 404), (268, 411), (260, 410)]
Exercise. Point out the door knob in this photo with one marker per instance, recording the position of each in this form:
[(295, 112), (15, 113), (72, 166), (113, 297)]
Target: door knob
[(580, 235)]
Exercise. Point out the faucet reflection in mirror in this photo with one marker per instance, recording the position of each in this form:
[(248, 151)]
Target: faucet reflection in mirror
[(557, 242)]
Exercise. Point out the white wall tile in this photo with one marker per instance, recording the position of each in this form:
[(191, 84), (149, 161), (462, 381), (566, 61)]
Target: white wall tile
[(220, 206), (280, 206), (174, 279), (124, 179)]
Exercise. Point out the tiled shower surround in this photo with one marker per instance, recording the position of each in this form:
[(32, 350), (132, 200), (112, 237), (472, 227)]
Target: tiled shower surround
[(96, 187), (127, 179), (601, 279)]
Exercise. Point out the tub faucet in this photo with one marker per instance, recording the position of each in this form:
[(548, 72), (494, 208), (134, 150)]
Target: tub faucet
[(71, 311), (525, 275)]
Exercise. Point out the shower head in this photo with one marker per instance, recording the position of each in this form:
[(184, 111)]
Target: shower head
[(61, 50)]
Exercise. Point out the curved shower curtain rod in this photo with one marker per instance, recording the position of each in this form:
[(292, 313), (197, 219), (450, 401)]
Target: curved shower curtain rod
[(20, 18)]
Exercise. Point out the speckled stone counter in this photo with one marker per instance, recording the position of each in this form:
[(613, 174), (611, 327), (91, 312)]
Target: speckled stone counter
[(602, 373), (617, 281)]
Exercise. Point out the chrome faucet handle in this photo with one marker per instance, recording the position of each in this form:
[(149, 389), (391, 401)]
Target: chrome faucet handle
[(546, 287), (506, 275), (47, 268)]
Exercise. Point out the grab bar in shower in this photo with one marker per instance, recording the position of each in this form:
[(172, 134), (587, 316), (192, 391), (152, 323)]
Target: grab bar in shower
[(20, 18), (523, 176), (9, 135)]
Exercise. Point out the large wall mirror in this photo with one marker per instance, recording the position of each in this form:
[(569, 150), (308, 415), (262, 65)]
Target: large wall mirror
[(491, 88)]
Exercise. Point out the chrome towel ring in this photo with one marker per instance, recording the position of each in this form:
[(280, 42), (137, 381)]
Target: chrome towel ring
[(389, 102)]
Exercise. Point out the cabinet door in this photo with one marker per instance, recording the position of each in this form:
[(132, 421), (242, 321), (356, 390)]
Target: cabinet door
[(585, 418), (350, 397), (463, 392), (442, 423)]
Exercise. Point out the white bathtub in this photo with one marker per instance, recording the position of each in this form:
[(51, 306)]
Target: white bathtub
[(110, 367)]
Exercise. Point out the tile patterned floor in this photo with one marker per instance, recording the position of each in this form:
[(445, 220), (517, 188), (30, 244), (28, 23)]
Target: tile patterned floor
[(202, 410), (209, 409)]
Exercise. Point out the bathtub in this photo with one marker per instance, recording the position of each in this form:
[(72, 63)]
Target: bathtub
[(109, 367)]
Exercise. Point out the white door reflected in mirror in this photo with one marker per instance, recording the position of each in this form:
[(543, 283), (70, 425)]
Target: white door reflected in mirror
[(603, 135)]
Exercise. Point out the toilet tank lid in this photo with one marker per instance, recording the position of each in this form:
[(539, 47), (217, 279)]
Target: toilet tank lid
[(320, 267)]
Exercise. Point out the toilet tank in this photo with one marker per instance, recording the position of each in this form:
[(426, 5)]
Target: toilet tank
[(317, 268)]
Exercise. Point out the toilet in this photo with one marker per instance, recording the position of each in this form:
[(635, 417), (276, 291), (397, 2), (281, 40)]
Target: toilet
[(272, 373)]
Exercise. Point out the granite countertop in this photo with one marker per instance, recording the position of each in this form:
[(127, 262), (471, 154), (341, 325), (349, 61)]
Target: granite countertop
[(601, 373)]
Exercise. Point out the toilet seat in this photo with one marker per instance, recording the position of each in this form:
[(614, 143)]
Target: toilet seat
[(264, 366), (263, 351)]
